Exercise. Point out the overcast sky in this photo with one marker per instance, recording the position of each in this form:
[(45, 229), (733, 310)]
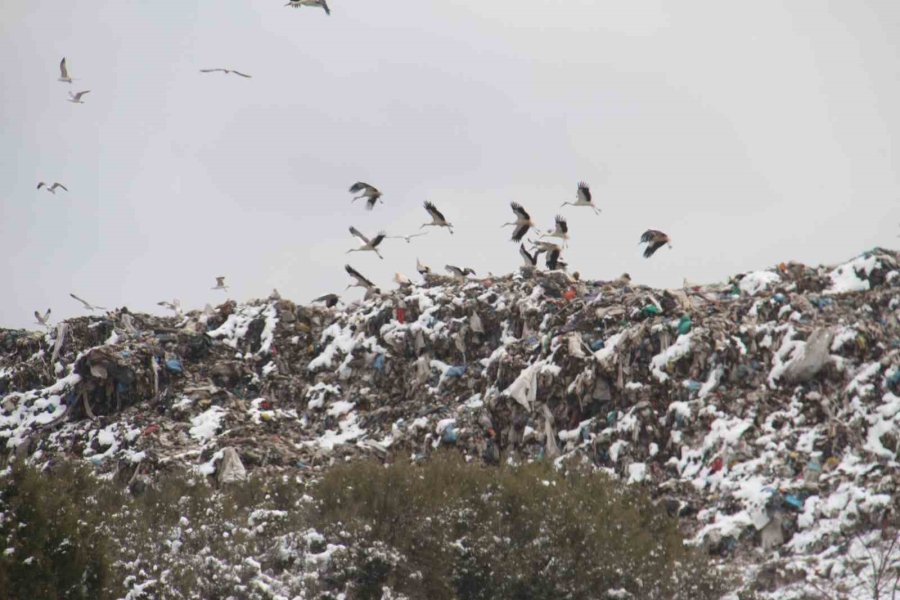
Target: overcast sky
[(750, 132)]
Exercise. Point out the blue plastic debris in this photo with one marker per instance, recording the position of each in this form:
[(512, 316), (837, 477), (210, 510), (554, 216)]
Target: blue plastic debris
[(449, 435), (456, 371), (779, 298), (596, 345), (612, 417), (793, 501), (379, 363), (692, 385), (174, 365), (125, 353)]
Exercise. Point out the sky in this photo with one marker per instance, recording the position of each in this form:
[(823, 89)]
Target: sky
[(752, 133)]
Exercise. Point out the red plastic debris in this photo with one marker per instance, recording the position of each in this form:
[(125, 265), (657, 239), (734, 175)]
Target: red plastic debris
[(716, 465), (150, 429), (401, 314), (570, 294)]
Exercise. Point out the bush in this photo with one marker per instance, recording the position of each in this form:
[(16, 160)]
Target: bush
[(530, 532)]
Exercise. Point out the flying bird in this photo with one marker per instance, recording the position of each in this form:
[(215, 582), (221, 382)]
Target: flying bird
[(64, 72), (87, 304), (522, 223), (553, 251), (76, 98), (654, 240), (329, 300), (402, 280), (406, 237), (530, 259), (51, 188), (174, 306), (437, 219), (369, 192), (226, 71), (561, 231), (422, 269), (299, 3), (42, 319), (583, 198), (368, 245), (459, 274), (220, 284), (360, 280)]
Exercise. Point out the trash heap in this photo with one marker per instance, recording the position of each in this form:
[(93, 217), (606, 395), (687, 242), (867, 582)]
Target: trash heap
[(763, 412)]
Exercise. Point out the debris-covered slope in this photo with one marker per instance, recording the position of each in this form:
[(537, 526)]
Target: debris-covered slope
[(763, 412)]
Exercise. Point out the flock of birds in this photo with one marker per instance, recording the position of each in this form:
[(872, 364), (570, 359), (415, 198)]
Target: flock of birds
[(522, 224)]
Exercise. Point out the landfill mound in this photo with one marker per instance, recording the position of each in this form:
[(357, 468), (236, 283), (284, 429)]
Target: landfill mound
[(763, 412)]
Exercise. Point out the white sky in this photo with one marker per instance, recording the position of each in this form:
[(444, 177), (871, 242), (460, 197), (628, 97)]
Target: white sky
[(750, 132)]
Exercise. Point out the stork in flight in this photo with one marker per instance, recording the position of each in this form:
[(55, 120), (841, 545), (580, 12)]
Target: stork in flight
[(422, 269), (87, 304), (583, 198), (522, 223), (76, 98), (299, 3), (561, 231), (553, 251), (437, 219), (530, 259), (655, 240), (220, 284), (51, 188), (369, 192), (368, 245), (64, 72), (360, 280), (329, 300), (459, 274), (42, 319), (226, 71)]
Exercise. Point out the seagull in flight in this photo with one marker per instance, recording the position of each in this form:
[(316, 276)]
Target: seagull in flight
[(406, 237), (522, 223), (64, 72), (369, 192), (437, 219), (368, 245), (583, 198), (220, 284), (226, 71), (174, 306), (87, 304), (76, 98), (360, 280), (299, 3), (655, 240), (42, 319), (51, 188)]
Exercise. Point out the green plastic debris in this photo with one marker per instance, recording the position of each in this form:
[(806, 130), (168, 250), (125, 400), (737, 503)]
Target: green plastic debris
[(684, 325), (651, 309)]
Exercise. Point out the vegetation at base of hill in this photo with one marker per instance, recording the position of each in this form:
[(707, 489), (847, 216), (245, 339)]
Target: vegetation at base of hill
[(441, 529)]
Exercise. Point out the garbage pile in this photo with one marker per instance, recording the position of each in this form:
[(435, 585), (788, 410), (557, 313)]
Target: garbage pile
[(763, 411)]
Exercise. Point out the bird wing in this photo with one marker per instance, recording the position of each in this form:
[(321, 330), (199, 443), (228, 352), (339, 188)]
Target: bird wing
[(651, 235), (63, 71), (652, 247), (553, 258), (37, 316), (358, 276), (325, 6), (241, 74), (529, 259), (80, 94), (584, 192), (220, 281), (434, 212), (521, 212), (454, 269), (210, 70), (41, 184), (58, 185), (370, 203), (355, 231), (360, 186), (324, 298), (561, 225), (519, 232), (378, 239), (86, 304)]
